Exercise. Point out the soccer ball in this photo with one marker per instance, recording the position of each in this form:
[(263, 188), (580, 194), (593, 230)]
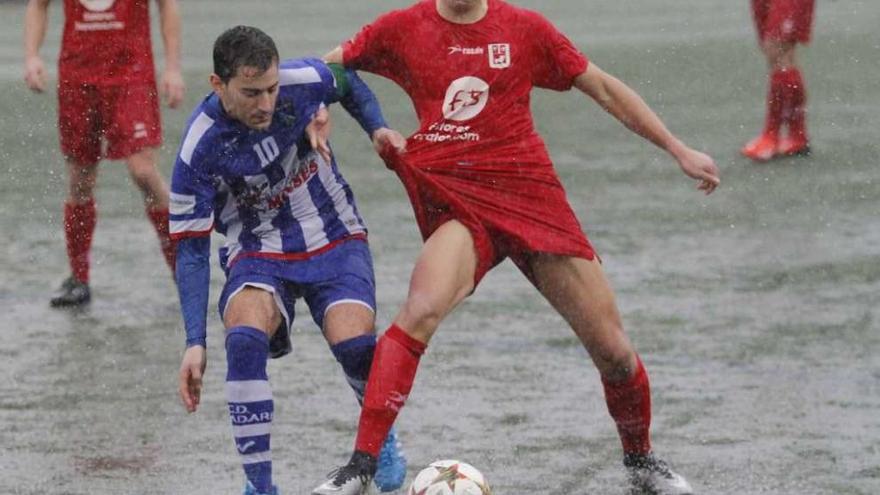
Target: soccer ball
[(449, 477)]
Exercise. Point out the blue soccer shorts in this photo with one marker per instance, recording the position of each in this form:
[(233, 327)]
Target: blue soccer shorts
[(342, 274)]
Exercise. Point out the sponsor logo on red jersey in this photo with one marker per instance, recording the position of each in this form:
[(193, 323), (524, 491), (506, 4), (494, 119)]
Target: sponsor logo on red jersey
[(465, 98), (465, 50)]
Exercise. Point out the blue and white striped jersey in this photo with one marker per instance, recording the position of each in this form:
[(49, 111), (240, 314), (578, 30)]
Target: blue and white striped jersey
[(268, 192)]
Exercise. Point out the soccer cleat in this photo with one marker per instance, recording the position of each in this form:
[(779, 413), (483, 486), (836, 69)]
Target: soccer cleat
[(71, 293), (761, 149), (391, 466), (249, 489), (649, 475), (793, 146), (352, 479)]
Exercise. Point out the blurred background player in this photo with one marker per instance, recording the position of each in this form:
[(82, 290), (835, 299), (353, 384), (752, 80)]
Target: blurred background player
[(247, 170), (107, 108), (484, 189), (781, 25)]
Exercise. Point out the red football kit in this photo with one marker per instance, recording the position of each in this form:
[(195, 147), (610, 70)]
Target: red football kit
[(787, 21), (476, 156), (106, 78)]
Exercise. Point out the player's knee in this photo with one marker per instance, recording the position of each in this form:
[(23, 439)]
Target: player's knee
[(616, 362), (143, 174), (421, 313), (254, 308)]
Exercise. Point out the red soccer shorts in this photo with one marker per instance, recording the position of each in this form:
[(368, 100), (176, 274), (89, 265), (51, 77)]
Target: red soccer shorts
[(786, 21), (512, 211), (125, 117)]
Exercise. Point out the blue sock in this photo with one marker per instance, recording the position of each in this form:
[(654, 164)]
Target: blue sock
[(356, 356), (250, 402)]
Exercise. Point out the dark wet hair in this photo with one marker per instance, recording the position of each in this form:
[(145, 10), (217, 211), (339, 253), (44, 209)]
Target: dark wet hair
[(243, 46)]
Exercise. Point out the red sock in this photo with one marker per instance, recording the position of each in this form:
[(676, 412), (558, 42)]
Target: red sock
[(159, 219), (391, 378), (795, 99), (629, 403), (79, 227), (775, 101)]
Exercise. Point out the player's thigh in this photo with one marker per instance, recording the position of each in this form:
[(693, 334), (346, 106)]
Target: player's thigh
[(442, 277), (255, 307), (79, 124), (132, 119), (578, 289)]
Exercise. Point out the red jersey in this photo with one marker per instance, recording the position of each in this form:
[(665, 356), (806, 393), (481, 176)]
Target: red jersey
[(470, 83), (106, 42), (476, 157)]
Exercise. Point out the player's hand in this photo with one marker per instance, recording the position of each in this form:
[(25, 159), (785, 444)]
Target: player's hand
[(192, 368), (35, 74), (318, 132), (172, 87), (700, 166), (384, 138)]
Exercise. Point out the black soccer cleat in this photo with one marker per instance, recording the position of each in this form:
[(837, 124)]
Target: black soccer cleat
[(71, 293)]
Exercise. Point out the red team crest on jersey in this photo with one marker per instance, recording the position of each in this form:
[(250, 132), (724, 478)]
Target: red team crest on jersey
[(499, 55)]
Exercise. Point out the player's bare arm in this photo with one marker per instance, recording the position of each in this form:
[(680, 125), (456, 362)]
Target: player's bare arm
[(172, 85), (35, 21), (627, 106)]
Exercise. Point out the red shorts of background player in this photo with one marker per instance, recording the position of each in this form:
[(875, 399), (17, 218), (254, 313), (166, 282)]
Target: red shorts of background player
[(125, 117), (786, 21), (511, 211)]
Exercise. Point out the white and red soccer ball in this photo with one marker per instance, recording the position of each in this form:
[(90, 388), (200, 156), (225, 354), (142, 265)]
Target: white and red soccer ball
[(449, 477)]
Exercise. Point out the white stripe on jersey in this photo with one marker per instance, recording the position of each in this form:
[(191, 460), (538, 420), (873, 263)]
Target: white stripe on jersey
[(305, 75), (193, 225), (344, 209), (232, 233), (182, 204), (270, 236), (305, 212), (199, 127)]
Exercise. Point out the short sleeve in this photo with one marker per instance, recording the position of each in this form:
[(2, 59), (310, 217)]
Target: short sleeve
[(556, 60), (306, 83), (373, 48), (191, 206)]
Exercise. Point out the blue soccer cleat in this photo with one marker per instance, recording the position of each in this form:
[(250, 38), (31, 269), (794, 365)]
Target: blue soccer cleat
[(249, 489), (391, 466)]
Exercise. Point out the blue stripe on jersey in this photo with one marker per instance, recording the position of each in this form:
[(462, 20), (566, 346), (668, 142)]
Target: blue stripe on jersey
[(292, 237)]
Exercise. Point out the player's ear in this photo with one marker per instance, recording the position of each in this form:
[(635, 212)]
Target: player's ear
[(217, 84)]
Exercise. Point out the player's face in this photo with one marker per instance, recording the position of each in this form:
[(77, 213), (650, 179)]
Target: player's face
[(250, 96)]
